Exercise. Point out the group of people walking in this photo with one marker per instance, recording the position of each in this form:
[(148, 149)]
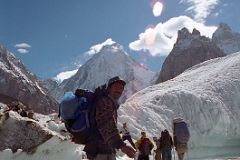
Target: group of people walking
[(19, 108), (164, 145), (94, 124)]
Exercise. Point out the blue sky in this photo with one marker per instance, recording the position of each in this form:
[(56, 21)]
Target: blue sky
[(48, 35)]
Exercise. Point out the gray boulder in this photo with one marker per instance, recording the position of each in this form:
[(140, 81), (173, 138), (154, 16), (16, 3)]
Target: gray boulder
[(18, 132)]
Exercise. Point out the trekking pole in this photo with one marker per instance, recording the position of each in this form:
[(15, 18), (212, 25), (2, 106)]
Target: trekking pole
[(187, 155)]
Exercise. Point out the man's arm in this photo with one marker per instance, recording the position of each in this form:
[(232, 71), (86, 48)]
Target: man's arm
[(171, 140), (151, 144)]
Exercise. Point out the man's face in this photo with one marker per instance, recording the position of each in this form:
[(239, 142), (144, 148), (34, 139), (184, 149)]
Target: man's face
[(116, 90), (143, 135)]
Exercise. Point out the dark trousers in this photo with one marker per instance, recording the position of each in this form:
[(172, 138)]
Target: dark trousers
[(143, 157), (128, 137), (166, 153)]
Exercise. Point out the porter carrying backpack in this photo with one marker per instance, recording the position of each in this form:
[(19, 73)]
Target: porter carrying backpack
[(78, 113), (181, 131)]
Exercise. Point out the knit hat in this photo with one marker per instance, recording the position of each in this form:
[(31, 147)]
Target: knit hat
[(116, 79)]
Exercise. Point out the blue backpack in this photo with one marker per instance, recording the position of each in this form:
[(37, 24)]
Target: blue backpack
[(78, 112), (181, 130)]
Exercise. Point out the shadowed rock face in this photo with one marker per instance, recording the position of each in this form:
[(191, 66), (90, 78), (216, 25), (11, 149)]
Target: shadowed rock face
[(6, 99), (189, 50), (18, 132), (17, 82)]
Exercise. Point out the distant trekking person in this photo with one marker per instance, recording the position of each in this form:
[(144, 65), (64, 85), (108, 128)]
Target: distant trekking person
[(14, 106), (31, 115), (103, 144), (126, 135), (145, 146), (166, 144), (18, 107), (157, 150), (181, 137), (23, 113)]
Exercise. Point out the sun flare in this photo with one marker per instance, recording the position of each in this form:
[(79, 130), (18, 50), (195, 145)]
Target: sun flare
[(157, 9)]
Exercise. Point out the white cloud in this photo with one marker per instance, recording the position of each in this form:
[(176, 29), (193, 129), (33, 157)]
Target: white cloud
[(23, 45), (22, 50), (96, 48), (157, 9), (65, 75), (201, 8), (160, 39)]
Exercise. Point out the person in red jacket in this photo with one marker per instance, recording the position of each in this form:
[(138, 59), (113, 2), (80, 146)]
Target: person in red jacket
[(145, 146)]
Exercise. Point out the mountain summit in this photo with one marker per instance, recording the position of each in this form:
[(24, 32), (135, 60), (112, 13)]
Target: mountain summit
[(190, 49), (111, 60), (226, 39), (19, 83)]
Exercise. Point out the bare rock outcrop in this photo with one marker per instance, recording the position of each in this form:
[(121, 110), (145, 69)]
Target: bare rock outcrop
[(19, 83)]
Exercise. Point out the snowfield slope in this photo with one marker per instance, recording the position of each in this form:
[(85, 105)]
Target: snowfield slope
[(206, 95)]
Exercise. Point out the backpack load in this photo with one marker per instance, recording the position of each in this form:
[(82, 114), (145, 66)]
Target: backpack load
[(76, 111), (181, 131)]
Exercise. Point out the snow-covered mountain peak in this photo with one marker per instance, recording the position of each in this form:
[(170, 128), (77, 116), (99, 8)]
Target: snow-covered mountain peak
[(98, 47), (196, 32), (112, 52), (19, 83), (11, 64), (224, 27), (185, 38), (226, 39), (183, 33), (110, 61), (223, 32), (189, 50)]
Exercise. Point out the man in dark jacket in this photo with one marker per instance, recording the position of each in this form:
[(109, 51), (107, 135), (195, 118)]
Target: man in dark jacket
[(102, 146), (126, 135), (166, 145)]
